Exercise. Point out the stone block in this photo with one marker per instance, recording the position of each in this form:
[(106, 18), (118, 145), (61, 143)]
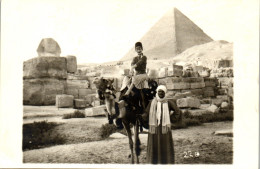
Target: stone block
[(202, 102), (170, 93), (176, 97), (163, 72), (163, 81), (170, 80), (176, 79), (48, 47), (96, 111), (213, 75), (230, 92), (200, 97), (207, 100), (222, 91), (84, 92), (197, 112), (204, 73), (226, 132), (197, 92), (217, 101), (190, 102), (213, 109), (63, 101), (208, 94), (93, 74), (78, 84), (224, 105), (76, 77), (222, 72), (74, 92), (197, 68), (210, 84), (223, 97), (181, 85), (197, 85), (208, 89), (223, 63), (231, 63), (195, 79), (177, 67), (95, 103), (80, 103), (71, 64), (184, 94), (45, 67), (184, 111), (225, 81), (195, 74), (210, 79), (170, 73), (186, 73), (90, 98), (42, 91), (175, 73), (205, 106)]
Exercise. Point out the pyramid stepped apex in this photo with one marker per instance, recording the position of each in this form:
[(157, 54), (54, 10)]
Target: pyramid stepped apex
[(171, 35)]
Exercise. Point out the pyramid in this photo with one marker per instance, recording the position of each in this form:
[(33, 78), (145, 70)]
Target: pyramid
[(171, 35)]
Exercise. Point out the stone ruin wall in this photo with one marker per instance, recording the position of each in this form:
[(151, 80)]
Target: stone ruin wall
[(47, 76), (198, 89), (51, 80)]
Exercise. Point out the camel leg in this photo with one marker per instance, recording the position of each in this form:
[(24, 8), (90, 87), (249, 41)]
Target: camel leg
[(142, 99), (131, 144), (136, 139)]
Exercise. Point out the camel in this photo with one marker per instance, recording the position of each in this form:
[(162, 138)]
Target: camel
[(127, 108)]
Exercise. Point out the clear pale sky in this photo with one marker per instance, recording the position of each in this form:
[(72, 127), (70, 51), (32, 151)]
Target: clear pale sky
[(104, 30)]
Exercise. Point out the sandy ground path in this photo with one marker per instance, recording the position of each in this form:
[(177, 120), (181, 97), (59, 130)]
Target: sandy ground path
[(212, 149)]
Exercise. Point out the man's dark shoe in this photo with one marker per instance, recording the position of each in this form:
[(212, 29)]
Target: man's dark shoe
[(119, 124), (110, 120)]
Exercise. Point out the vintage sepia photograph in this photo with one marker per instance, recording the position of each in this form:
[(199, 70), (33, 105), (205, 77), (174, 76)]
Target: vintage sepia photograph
[(127, 82)]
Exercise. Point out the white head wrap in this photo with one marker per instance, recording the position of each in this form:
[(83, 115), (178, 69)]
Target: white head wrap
[(161, 87)]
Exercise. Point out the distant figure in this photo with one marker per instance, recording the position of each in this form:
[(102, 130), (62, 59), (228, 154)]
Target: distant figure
[(48, 47), (140, 78), (160, 113)]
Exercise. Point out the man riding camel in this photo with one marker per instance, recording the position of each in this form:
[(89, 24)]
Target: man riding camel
[(139, 78)]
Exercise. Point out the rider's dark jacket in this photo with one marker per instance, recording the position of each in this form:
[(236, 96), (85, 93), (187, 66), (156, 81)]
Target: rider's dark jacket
[(141, 64)]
